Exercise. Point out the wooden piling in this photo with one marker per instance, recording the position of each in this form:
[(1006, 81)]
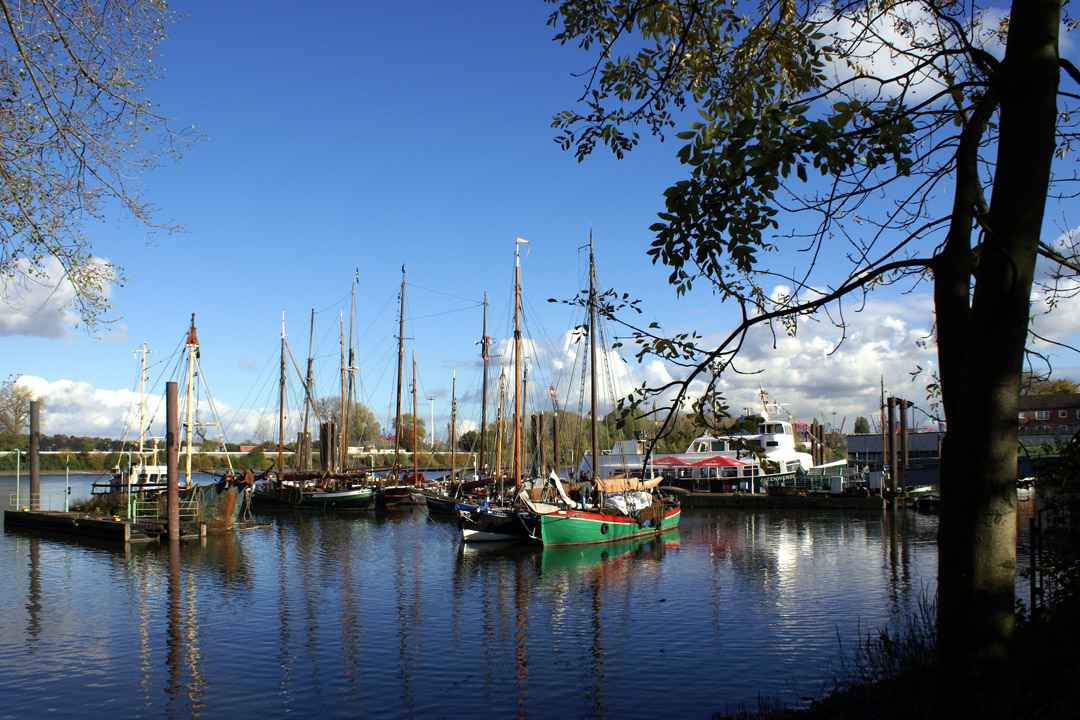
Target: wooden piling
[(892, 460), (172, 459), (902, 406), (35, 465)]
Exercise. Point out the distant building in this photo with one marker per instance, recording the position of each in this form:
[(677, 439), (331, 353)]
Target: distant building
[(866, 449), (1049, 416)]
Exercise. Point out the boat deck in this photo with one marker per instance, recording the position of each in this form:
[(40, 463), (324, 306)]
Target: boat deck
[(102, 527)]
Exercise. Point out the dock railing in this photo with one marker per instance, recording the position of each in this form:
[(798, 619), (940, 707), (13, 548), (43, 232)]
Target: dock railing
[(152, 509)]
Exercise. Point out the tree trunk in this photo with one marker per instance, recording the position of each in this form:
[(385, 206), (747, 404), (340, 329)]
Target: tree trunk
[(977, 535)]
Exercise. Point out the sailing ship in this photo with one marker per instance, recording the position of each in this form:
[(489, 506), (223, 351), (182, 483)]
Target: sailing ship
[(621, 509), (399, 489), (509, 520), (456, 495), (219, 504), (330, 487), (616, 508)]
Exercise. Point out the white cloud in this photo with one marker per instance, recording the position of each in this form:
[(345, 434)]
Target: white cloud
[(814, 373), (889, 45), (1055, 305), (43, 305), (79, 408)]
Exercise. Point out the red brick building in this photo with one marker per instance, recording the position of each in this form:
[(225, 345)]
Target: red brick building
[(1057, 415)]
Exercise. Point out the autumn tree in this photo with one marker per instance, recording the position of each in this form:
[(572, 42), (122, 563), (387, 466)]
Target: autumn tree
[(363, 427), (407, 430), (887, 142), (15, 401), (1032, 384), (77, 128)]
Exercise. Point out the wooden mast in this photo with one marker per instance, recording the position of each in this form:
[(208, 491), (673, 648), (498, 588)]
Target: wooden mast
[(592, 363), (400, 361), (347, 399), (305, 442), (485, 343), (192, 348), (453, 422), (341, 335), (281, 408), (415, 447), (499, 430), (516, 461)]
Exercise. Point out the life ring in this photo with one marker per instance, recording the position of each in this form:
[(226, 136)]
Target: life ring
[(603, 529)]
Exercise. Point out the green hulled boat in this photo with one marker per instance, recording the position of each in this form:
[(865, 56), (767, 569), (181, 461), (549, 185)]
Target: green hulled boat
[(569, 526)]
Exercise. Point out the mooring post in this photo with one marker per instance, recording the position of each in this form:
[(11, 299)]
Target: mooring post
[(35, 466), (67, 483), (893, 469), (902, 449), (172, 460)]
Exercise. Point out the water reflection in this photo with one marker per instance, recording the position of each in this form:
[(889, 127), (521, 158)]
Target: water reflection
[(392, 616), (572, 610), (408, 592), (186, 685), (33, 605)]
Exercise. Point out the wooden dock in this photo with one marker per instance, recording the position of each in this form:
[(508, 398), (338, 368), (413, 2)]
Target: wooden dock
[(101, 527)]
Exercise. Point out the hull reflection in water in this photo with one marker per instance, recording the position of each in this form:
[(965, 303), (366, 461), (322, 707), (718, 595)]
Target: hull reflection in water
[(388, 615), (579, 557)]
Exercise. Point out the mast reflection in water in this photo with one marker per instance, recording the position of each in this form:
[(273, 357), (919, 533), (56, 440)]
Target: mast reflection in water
[(346, 614)]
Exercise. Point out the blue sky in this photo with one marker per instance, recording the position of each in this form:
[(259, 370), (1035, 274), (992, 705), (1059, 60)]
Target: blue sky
[(363, 136)]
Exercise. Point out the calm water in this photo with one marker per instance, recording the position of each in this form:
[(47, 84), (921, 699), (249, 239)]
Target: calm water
[(390, 616)]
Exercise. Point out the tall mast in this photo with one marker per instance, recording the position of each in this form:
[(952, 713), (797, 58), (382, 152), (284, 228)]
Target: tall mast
[(142, 405), (351, 369), (341, 322), (485, 343), (281, 407), (592, 361), (415, 447), (192, 345), (307, 391), (517, 365), (499, 429), (453, 423), (400, 361)]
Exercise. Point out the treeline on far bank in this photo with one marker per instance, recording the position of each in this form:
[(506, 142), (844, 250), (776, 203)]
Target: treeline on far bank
[(96, 461)]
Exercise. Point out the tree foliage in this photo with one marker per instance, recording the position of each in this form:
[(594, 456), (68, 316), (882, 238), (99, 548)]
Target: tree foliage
[(77, 128), (469, 441), (1035, 385), (363, 427), (862, 425), (888, 143), (14, 409), (408, 429)]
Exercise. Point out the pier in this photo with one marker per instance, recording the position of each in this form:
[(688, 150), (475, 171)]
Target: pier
[(98, 526)]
